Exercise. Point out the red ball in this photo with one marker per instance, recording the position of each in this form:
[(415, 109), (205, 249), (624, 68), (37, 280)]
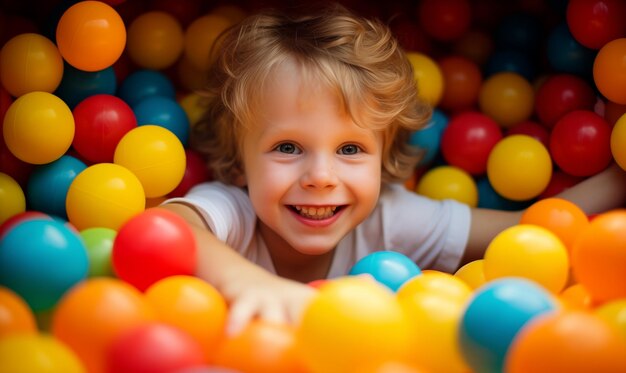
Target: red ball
[(468, 139), (153, 245), (561, 93), (462, 82), (593, 23), (580, 143), (155, 348), (445, 20), (196, 171), (101, 121), (558, 183), (532, 129)]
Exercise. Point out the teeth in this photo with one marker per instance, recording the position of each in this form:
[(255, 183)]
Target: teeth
[(318, 213)]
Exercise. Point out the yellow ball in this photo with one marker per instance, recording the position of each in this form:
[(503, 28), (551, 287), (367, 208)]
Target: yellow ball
[(200, 46), (12, 198), (508, 98), (618, 141), (30, 62), (37, 353), (38, 128), (104, 195), (191, 104), (353, 322), (428, 77), (529, 251), (519, 167), (449, 182), (443, 284), (155, 40), (614, 313), (155, 155), (472, 273)]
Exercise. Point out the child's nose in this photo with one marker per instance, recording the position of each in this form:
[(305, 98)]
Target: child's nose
[(320, 172)]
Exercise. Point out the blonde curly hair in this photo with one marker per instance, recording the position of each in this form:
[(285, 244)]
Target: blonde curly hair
[(357, 58)]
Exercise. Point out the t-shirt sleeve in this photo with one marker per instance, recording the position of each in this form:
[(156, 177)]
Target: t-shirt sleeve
[(433, 233), (225, 209)]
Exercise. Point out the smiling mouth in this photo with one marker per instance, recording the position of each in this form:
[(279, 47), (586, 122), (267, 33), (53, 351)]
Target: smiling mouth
[(316, 212)]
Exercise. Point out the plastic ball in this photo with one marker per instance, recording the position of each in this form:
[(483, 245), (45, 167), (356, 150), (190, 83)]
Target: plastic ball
[(506, 305), (194, 306), (580, 143), (468, 139), (528, 251), (91, 35), (196, 172), (561, 93), (440, 283), (30, 62), (428, 77), (19, 218), (142, 251), (618, 142), (48, 185), (99, 245), (519, 167), (519, 31), (599, 258), (428, 138), (78, 85), (104, 195), (200, 39), (155, 40), (609, 70), (15, 314), (576, 297), (38, 127), (489, 198), (191, 103), (593, 23), (343, 326), (472, 274), (462, 81), (476, 45), (444, 20), (554, 343), (507, 97), (154, 347), (42, 251), (155, 155), (164, 112), (12, 198), (91, 316), (532, 129), (565, 54), (561, 217), (559, 182), (511, 61), (101, 122), (261, 347), (390, 268), (37, 353), (185, 11), (145, 83), (614, 313), (448, 182), (613, 111)]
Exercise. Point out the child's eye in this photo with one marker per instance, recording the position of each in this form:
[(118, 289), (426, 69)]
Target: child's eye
[(350, 149), (287, 148)]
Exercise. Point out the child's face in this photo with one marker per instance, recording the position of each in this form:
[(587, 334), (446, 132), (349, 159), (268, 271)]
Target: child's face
[(312, 173)]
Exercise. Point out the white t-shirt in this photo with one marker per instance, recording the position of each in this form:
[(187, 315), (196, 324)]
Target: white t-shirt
[(432, 233)]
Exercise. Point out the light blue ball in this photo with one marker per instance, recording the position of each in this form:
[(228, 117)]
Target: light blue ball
[(429, 137), (164, 112), (40, 260), (145, 83), (494, 316), (389, 268)]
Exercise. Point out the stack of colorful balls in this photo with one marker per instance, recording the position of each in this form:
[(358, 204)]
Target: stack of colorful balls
[(97, 102)]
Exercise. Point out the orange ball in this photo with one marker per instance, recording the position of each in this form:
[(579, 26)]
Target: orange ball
[(91, 35), (609, 70), (93, 314), (560, 216), (200, 46), (15, 314), (155, 40), (262, 347), (508, 98), (576, 296), (192, 305), (462, 80), (599, 256), (568, 341)]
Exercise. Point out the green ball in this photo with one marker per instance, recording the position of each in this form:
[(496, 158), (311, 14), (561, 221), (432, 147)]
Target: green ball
[(99, 244)]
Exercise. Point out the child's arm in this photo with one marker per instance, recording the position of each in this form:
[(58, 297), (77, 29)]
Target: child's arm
[(250, 290), (601, 192)]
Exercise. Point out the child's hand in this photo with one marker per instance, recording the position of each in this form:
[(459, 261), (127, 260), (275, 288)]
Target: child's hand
[(267, 297)]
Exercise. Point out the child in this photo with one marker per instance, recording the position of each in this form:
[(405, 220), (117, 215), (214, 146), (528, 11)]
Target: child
[(306, 134)]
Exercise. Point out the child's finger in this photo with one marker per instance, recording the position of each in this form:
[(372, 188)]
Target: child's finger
[(239, 316)]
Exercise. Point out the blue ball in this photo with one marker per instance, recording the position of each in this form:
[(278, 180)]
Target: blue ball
[(519, 31), (494, 316), (489, 198), (76, 85), (145, 83), (48, 184), (567, 55), (164, 112), (40, 259), (429, 137), (510, 60), (389, 268)]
